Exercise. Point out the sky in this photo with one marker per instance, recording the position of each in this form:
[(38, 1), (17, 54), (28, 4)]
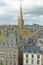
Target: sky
[(32, 12)]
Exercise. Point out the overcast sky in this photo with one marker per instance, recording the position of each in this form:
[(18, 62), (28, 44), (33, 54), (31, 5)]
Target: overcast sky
[(32, 11)]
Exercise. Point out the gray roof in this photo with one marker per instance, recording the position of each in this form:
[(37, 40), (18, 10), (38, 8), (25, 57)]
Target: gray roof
[(34, 49)]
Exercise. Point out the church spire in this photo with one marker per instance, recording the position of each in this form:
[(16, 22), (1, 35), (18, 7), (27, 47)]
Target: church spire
[(20, 19), (21, 11)]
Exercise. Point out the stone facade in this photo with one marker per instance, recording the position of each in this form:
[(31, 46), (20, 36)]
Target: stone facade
[(33, 57), (32, 61), (10, 55)]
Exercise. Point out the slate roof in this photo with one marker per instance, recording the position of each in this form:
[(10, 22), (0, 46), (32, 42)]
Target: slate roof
[(34, 49)]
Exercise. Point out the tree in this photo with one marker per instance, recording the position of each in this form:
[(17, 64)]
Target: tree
[(1, 63)]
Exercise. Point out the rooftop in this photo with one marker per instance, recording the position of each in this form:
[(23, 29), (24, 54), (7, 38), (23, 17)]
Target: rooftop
[(34, 49)]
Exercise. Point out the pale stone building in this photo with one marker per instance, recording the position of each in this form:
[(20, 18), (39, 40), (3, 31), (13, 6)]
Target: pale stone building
[(33, 56), (10, 55)]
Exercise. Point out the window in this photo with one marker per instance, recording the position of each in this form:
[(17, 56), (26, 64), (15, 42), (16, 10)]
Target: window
[(6, 57), (32, 61), (6, 62), (14, 63), (27, 56), (32, 56), (14, 56), (8, 45), (15, 51), (2, 57), (3, 44), (12, 45), (38, 62), (10, 62), (10, 57), (26, 60), (38, 56)]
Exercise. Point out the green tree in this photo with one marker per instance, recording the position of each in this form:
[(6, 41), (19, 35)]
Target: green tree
[(1, 63)]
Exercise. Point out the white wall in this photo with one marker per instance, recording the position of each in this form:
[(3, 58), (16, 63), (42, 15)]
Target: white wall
[(30, 58)]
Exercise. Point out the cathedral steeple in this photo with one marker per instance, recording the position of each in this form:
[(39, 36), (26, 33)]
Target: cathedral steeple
[(20, 11), (20, 19)]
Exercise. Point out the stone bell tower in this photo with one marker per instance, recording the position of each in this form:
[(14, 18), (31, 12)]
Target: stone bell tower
[(20, 18)]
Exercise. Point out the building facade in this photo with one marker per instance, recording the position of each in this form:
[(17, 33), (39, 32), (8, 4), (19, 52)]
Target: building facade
[(31, 57), (10, 55)]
